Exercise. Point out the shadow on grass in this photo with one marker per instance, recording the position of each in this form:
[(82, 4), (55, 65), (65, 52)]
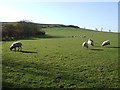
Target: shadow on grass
[(27, 51), (50, 73), (113, 47), (6, 84), (49, 36), (42, 37), (38, 69), (97, 49), (27, 38)]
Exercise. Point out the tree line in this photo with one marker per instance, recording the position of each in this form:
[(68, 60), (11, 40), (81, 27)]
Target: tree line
[(21, 29), (58, 26)]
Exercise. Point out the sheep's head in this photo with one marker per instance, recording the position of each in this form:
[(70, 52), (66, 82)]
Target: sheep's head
[(11, 47)]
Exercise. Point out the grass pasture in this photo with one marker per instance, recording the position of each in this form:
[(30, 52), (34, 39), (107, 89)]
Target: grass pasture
[(59, 61)]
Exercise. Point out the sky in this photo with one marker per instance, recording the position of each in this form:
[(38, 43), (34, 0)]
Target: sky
[(90, 15)]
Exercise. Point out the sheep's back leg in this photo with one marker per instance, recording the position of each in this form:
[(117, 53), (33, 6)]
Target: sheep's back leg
[(20, 48), (15, 48)]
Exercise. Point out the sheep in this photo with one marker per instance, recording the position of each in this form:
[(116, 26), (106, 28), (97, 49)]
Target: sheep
[(85, 45), (83, 36), (90, 42), (105, 43), (16, 44)]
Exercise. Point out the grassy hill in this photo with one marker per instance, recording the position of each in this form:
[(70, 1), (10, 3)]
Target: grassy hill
[(58, 60), (45, 25)]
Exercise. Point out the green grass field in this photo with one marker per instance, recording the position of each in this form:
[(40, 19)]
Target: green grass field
[(59, 61)]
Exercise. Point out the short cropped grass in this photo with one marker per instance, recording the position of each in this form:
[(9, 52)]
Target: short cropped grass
[(60, 61)]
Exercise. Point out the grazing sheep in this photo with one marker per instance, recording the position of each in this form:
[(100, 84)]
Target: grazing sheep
[(105, 43), (90, 42), (15, 45), (85, 45), (83, 36)]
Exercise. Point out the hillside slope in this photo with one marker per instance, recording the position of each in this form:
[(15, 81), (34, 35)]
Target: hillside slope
[(59, 61)]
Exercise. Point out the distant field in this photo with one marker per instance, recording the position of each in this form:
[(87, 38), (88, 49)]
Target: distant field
[(59, 61)]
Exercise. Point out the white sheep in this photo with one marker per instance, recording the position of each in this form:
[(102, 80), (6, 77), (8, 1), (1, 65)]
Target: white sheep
[(90, 42), (85, 45), (83, 36), (105, 43), (15, 45)]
